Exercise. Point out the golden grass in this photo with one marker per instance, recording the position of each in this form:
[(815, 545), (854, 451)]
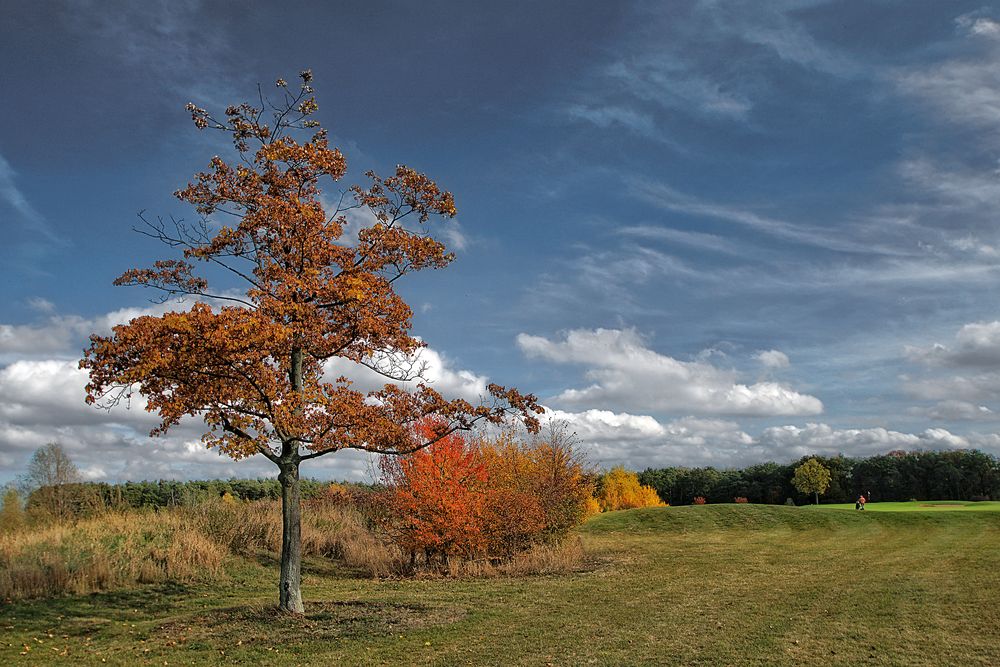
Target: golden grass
[(115, 550), (119, 550)]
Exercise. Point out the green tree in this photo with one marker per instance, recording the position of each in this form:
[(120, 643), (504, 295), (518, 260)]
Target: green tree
[(812, 477)]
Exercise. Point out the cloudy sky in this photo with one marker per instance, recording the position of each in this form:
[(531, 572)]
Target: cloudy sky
[(703, 233)]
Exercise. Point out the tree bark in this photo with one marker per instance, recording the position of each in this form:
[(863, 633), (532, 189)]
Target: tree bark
[(817, 498), (289, 586)]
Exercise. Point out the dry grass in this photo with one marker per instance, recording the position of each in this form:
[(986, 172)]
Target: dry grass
[(112, 551), (336, 532), (561, 558), (119, 550)]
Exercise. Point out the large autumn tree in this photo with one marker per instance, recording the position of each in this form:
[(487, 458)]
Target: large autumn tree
[(254, 368)]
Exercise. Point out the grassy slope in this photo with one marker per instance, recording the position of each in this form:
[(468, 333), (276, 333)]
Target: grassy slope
[(920, 506), (723, 584)]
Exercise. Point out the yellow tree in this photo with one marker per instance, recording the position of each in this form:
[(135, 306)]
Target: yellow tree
[(253, 369), (620, 490), (812, 477)]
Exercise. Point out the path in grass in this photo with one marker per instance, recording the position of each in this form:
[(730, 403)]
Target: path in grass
[(711, 585)]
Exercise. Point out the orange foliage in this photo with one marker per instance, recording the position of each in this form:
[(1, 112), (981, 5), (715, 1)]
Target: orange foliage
[(490, 498), (620, 489), (437, 497)]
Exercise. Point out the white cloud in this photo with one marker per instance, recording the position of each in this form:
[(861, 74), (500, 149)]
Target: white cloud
[(434, 370), (791, 442), (961, 377), (611, 116), (953, 410), (772, 359), (65, 336), (668, 198), (627, 375), (964, 90), (12, 195), (699, 240), (975, 24), (976, 345), (640, 441)]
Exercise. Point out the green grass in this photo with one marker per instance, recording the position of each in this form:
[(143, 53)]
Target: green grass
[(920, 506), (710, 585)]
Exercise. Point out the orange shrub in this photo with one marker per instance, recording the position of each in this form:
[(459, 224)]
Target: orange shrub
[(491, 498), (700, 500), (437, 498), (741, 500)]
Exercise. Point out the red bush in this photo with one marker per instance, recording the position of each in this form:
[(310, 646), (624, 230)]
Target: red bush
[(700, 500), (740, 499), (487, 499)]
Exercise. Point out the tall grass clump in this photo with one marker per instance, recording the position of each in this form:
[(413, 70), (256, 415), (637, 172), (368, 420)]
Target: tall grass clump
[(112, 551), (332, 527)]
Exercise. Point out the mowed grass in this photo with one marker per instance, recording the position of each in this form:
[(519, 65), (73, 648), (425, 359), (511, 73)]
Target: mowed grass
[(920, 506), (709, 585)]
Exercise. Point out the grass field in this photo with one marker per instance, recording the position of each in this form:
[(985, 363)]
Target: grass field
[(921, 506), (709, 585)]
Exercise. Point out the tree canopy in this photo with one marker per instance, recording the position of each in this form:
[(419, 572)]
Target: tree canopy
[(812, 477)]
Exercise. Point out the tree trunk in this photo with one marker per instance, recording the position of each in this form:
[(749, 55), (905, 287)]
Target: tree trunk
[(817, 497), (289, 587)]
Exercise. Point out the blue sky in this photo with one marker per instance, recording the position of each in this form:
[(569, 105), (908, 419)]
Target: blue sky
[(702, 232)]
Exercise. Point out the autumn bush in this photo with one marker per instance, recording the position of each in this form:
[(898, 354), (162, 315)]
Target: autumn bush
[(619, 489), (699, 500), (486, 500), (741, 500)]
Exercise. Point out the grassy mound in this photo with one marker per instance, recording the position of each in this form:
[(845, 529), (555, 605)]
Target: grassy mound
[(920, 506), (747, 517)]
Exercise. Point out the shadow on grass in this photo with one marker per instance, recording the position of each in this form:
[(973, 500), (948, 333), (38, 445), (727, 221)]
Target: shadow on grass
[(256, 624), (84, 614)]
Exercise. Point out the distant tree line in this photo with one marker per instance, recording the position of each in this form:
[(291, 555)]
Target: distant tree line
[(85, 498), (896, 476)]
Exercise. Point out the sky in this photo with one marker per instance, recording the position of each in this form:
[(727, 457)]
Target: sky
[(702, 233)]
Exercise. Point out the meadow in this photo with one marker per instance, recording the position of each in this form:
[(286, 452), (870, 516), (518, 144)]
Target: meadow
[(698, 585), (920, 506)]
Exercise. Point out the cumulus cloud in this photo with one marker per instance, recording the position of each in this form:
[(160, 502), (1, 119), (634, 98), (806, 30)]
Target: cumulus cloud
[(627, 375), (641, 441), (772, 359), (427, 366), (961, 376), (976, 345)]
